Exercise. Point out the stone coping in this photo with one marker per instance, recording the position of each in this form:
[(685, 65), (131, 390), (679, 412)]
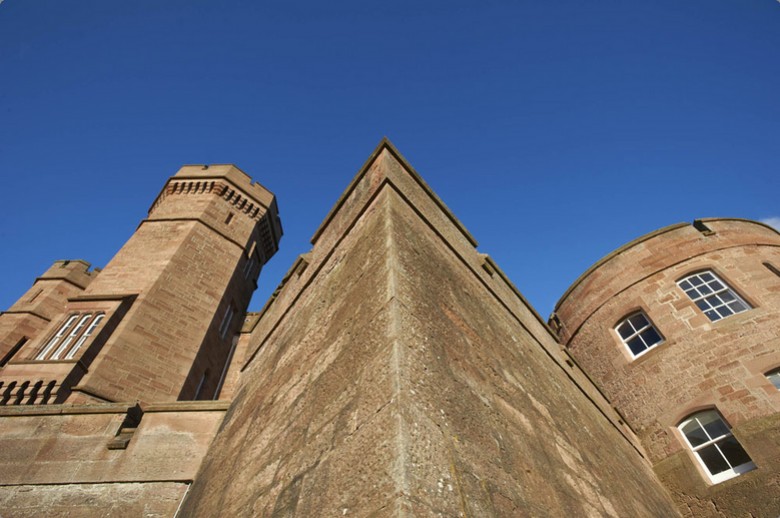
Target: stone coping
[(641, 239), (386, 144), (113, 408)]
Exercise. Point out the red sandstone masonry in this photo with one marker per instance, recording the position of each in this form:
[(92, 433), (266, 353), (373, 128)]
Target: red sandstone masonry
[(43, 302), (398, 373), (701, 364), (186, 265), (648, 254)]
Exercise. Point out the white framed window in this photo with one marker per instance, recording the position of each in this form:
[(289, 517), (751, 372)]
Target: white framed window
[(57, 337), (713, 296), (638, 334), (226, 319), (75, 332), (717, 450), (774, 377), (95, 322), (76, 329)]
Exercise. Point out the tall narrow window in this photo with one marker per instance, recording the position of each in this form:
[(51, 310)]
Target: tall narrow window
[(717, 450), (638, 334), (772, 268), (774, 377), (77, 330), (91, 329), (201, 384), (713, 296), (34, 296), (67, 341), (225, 325), (249, 266), (57, 337)]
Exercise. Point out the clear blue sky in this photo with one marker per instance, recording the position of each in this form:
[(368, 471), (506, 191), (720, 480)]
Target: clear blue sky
[(556, 131)]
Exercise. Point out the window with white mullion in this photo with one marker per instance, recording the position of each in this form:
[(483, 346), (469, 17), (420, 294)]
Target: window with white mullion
[(712, 295), (73, 334), (715, 447), (87, 334), (56, 338), (638, 334)]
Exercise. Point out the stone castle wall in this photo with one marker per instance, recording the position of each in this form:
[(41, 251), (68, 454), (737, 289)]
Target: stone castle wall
[(397, 373)]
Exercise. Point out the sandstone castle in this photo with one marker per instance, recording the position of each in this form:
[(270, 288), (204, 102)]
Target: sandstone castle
[(396, 371)]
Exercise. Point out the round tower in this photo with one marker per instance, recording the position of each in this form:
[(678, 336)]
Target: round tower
[(681, 331)]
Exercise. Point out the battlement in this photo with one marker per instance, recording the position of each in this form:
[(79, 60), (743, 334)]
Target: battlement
[(231, 173), (75, 271), (191, 194)]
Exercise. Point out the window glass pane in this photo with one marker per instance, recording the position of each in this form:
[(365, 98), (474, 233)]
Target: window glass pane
[(685, 285), (712, 315), (651, 336), (727, 296), (694, 433), (692, 293), (696, 281), (636, 345), (715, 285), (625, 330), (774, 377), (714, 425), (638, 321), (707, 276), (725, 311), (702, 305), (733, 451), (705, 290), (737, 307), (713, 459)]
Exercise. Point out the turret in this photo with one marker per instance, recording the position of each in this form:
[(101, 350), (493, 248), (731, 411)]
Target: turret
[(681, 331)]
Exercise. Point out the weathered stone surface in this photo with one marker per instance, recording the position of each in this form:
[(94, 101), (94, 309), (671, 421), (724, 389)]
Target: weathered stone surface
[(44, 301), (69, 445), (700, 364), (187, 262), (125, 500), (396, 371), (394, 380)]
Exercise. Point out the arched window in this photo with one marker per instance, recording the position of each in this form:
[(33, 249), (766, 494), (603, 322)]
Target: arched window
[(717, 450), (638, 334)]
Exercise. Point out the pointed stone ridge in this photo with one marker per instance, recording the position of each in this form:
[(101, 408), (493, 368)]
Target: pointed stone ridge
[(397, 373), (386, 145)]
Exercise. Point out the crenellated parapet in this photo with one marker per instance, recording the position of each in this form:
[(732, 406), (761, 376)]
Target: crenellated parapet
[(215, 195)]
